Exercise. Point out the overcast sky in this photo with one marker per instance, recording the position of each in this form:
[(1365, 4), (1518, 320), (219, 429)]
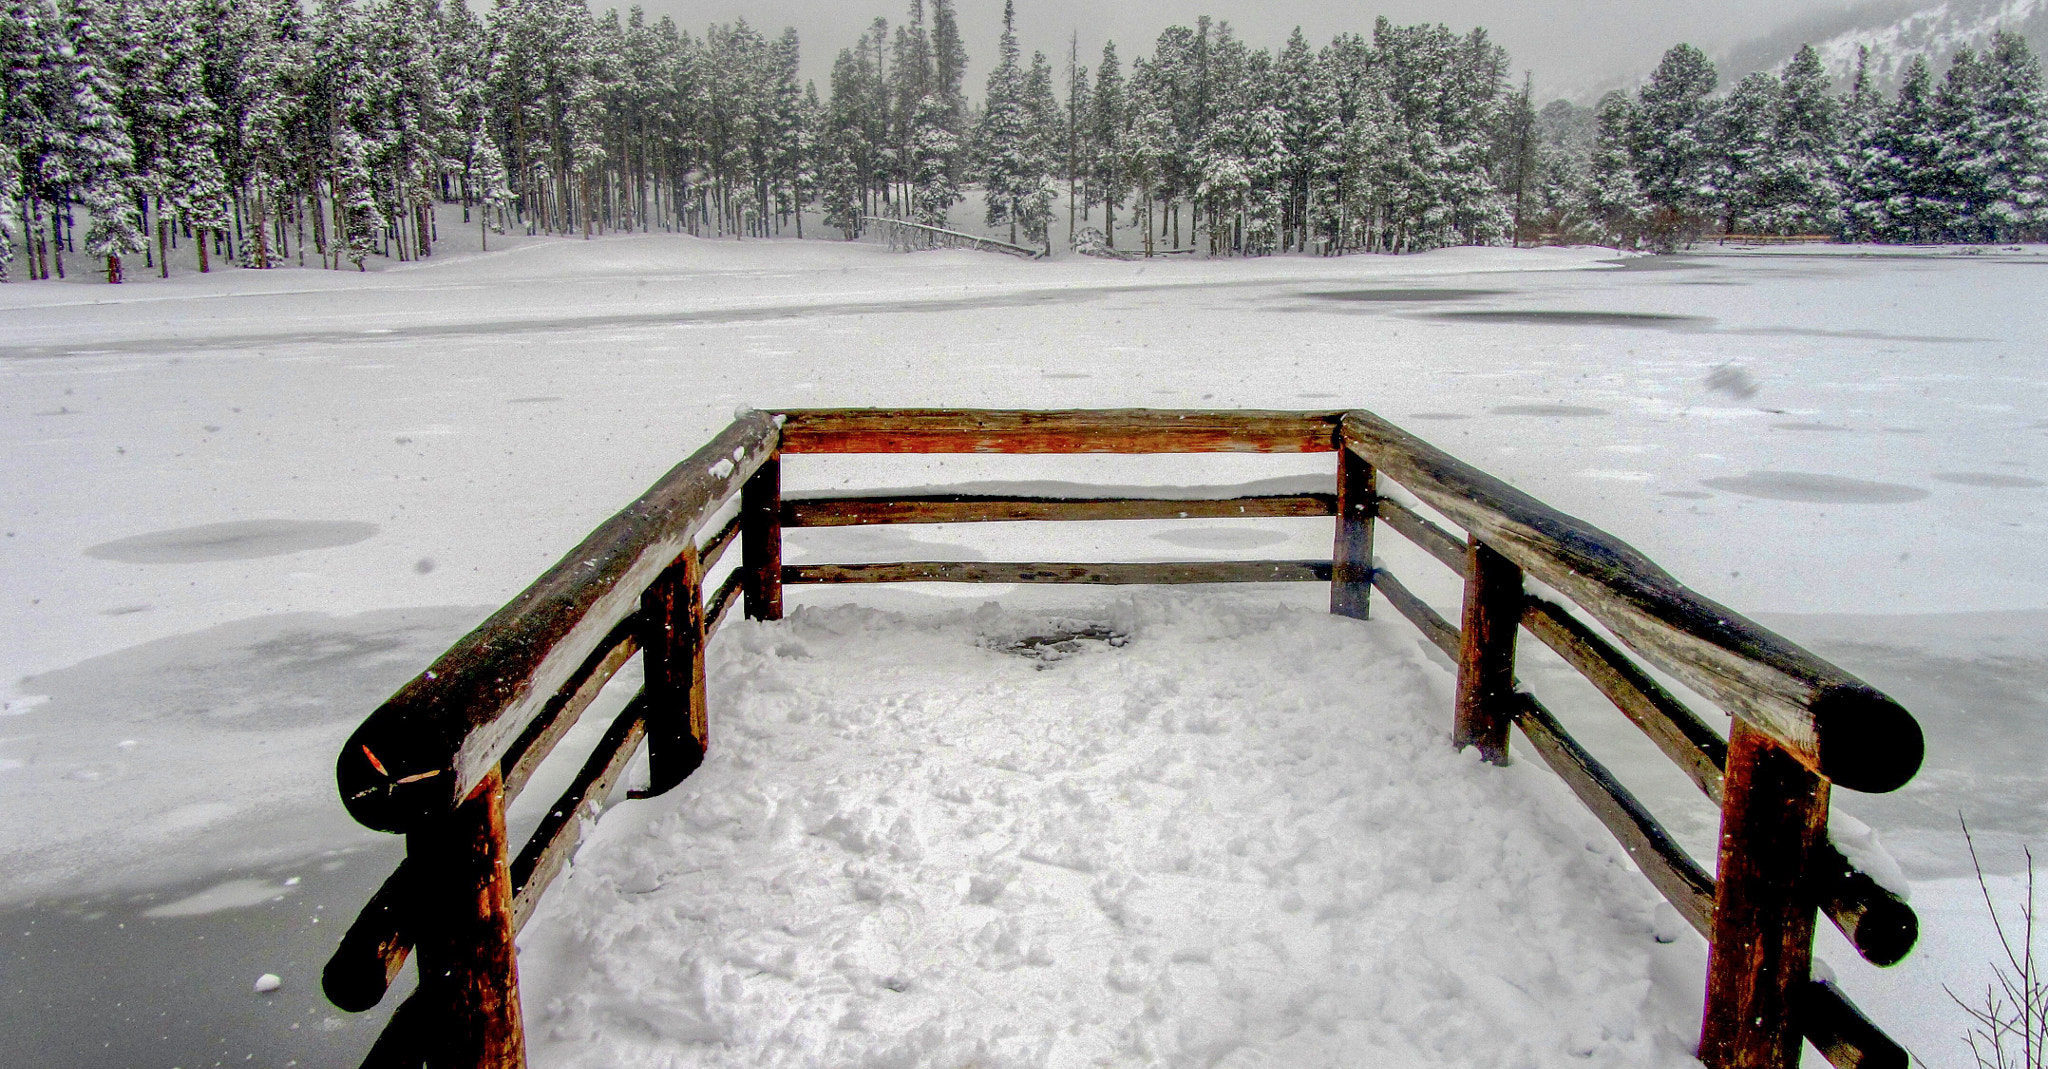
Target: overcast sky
[(1570, 45)]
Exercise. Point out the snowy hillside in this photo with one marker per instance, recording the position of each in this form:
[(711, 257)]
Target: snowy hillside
[(1894, 33)]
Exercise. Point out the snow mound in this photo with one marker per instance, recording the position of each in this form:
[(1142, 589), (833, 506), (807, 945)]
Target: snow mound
[(1236, 837)]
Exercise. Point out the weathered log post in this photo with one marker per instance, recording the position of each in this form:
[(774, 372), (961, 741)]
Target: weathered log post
[(1774, 817), (761, 541), (1486, 652), (469, 968), (672, 652), (1351, 559)]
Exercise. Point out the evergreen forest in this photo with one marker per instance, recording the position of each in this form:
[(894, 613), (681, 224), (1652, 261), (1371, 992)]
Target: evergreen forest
[(266, 132)]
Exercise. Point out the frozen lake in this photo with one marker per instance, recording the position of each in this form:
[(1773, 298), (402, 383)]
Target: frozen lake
[(240, 508)]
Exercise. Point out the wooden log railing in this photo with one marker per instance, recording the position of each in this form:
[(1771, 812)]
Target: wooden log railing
[(440, 761)]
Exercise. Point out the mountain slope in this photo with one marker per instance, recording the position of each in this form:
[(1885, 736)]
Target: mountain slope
[(1895, 32)]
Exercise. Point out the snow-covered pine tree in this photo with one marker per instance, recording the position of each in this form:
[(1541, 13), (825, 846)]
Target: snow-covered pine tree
[(1615, 199), (1858, 213), (1518, 155), (1902, 167), (2015, 141), (1742, 151), (843, 172), (1803, 184), (1564, 174), (1668, 141), (1077, 146), (1963, 159), (1106, 123), (1309, 133), (103, 171), (1004, 153), (1046, 138)]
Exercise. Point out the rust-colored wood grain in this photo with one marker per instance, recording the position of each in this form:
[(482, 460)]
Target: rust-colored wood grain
[(1492, 619), (1130, 430), (1774, 816), (469, 969)]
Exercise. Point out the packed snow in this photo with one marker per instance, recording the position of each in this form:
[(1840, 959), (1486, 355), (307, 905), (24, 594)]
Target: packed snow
[(241, 508), (1234, 837)]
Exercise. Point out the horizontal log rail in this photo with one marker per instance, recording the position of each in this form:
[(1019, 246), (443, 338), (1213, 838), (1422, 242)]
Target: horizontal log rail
[(1835, 1025), (442, 758), (373, 950), (990, 508), (1111, 574), (429, 746), (1132, 430), (1834, 723)]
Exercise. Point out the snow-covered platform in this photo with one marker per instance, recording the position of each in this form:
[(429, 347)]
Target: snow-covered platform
[(1231, 834)]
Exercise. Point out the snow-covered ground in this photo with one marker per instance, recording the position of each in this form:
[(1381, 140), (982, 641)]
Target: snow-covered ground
[(240, 508)]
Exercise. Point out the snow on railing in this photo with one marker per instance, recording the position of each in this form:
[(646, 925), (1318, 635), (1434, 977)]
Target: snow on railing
[(441, 760)]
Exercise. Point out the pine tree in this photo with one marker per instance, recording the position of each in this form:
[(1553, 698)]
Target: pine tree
[(1106, 125), (1045, 139), (1902, 168), (1803, 185), (1004, 151), (1668, 141), (2010, 143), (1742, 150), (1308, 137), (1616, 200), (1859, 212)]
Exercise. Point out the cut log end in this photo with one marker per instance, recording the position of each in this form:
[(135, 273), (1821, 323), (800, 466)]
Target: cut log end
[(1866, 741), (390, 798)]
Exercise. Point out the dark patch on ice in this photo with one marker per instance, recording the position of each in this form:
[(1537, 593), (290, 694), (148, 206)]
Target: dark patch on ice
[(1573, 411), (1905, 430), (861, 545), (95, 980), (235, 540), (1989, 479), (61, 410), (531, 400), (1546, 318), (1438, 415), (1318, 396), (1830, 427), (262, 674), (125, 610), (1656, 263), (1815, 488), (1856, 335), (1220, 538), (1405, 296), (1733, 381), (679, 318), (1689, 495), (1061, 642)]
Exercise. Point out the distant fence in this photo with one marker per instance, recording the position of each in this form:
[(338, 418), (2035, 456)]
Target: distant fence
[(1776, 239), (441, 759), (905, 236)]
